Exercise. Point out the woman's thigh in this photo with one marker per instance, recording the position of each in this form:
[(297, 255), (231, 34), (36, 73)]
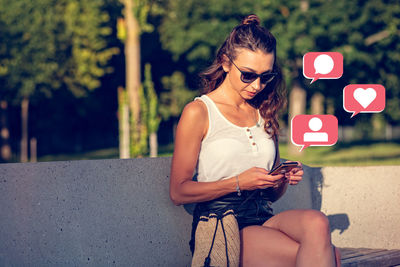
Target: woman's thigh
[(298, 223), (264, 246)]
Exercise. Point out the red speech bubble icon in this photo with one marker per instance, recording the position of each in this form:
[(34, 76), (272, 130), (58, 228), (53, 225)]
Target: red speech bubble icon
[(314, 130), (364, 98), (322, 65)]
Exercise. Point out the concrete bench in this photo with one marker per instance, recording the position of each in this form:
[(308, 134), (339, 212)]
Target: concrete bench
[(366, 257), (118, 212)]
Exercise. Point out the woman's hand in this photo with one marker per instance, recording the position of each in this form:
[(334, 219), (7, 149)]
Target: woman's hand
[(258, 178), (295, 175)]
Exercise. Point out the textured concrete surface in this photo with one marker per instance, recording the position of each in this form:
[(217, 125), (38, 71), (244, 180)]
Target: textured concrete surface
[(369, 197), (362, 203), (305, 195), (118, 212), (91, 213)]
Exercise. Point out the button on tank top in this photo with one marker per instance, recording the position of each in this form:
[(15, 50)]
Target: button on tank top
[(228, 149)]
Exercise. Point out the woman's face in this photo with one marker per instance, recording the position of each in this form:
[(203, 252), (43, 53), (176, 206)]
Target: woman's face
[(248, 61)]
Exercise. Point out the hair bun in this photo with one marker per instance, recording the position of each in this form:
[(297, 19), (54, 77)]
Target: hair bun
[(251, 19)]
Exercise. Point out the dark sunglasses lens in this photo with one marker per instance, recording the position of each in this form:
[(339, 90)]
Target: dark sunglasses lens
[(266, 78), (248, 77)]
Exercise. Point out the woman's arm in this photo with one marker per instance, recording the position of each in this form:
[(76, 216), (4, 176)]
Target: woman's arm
[(192, 127), (293, 177), (275, 193)]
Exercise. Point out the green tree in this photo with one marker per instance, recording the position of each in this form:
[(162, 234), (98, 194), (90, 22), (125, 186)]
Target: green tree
[(51, 44), (130, 28), (365, 32), (174, 97), (371, 49), (153, 118), (86, 29), (29, 62), (194, 31)]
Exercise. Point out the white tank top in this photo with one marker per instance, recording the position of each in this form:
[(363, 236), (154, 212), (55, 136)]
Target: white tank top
[(228, 149)]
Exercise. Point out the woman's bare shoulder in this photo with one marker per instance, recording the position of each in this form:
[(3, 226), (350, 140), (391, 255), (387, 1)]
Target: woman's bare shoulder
[(195, 116), (195, 109)]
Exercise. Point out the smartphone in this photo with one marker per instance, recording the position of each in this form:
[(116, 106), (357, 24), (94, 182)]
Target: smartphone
[(283, 167)]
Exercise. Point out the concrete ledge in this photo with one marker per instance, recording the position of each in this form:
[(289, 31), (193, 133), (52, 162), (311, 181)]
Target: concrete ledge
[(95, 212), (118, 212), (360, 202)]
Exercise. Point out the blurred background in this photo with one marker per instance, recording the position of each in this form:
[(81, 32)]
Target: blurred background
[(109, 79)]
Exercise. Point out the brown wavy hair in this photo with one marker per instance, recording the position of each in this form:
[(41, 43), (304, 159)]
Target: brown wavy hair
[(250, 35)]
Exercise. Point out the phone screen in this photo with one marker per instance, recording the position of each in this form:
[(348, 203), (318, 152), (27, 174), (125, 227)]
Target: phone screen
[(283, 167)]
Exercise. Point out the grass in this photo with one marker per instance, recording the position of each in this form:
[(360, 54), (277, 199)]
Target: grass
[(376, 153), (108, 153), (341, 154)]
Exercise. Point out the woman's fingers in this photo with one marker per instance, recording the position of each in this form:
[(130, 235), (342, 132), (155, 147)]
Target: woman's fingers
[(298, 172), (294, 178), (273, 180), (295, 175)]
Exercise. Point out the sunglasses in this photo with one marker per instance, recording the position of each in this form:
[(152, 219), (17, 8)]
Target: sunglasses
[(249, 77)]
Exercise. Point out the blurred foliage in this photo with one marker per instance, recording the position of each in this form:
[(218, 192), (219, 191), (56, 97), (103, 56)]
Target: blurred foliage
[(149, 116), (354, 154), (153, 118), (139, 137), (367, 33), (86, 28), (174, 96), (141, 11), (140, 97), (348, 154), (47, 44)]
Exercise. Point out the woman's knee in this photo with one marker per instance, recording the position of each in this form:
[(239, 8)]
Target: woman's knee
[(316, 223)]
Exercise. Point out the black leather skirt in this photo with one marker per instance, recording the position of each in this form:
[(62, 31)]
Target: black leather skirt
[(251, 208)]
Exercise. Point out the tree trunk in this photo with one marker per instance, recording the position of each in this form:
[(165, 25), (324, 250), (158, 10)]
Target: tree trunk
[(297, 97), (132, 64), (317, 103), (388, 132), (24, 127), (378, 126), (33, 146), (297, 106), (153, 145), (330, 106), (5, 150), (123, 122)]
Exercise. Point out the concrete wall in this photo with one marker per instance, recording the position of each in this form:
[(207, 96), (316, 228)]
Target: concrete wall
[(92, 212), (362, 203), (118, 212)]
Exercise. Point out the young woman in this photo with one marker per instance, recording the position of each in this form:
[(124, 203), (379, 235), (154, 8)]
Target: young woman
[(229, 137)]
